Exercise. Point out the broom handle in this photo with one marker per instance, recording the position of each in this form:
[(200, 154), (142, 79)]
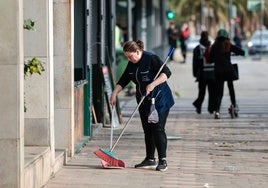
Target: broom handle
[(112, 126), (142, 99)]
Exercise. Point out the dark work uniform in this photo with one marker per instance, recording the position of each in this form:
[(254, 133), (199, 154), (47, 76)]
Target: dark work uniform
[(142, 73)]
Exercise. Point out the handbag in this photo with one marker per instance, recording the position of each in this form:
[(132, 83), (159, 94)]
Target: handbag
[(235, 73)]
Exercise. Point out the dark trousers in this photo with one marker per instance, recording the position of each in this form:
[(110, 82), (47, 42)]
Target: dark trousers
[(202, 85), (183, 50), (219, 94), (220, 90), (231, 92), (154, 135), (172, 44)]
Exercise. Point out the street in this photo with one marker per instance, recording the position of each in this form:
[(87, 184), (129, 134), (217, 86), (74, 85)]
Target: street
[(202, 152)]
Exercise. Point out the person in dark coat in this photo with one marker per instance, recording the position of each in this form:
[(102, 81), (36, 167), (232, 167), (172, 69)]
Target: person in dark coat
[(142, 68), (172, 34), (199, 55), (220, 53), (184, 35)]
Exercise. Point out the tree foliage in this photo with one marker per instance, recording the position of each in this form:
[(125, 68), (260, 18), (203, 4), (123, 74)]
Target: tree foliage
[(186, 10)]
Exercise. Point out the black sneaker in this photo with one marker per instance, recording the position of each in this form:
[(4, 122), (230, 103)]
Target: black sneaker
[(217, 115), (232, 111), (162, 165), (147, 164), (197, 108)]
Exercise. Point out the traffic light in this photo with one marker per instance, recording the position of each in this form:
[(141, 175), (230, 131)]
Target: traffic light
[(170, 15)]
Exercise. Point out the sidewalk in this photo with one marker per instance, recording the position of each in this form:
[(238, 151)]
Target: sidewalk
[(202, 151)]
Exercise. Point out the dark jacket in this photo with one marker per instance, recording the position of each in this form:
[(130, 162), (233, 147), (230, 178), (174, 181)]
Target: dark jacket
[(223, 65), (172, 37), (198, 60), (142, 74)]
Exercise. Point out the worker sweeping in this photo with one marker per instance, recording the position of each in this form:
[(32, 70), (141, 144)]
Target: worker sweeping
[(142, 69)]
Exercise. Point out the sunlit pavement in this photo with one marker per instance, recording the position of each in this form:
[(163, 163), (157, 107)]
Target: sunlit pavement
[(202, 151)]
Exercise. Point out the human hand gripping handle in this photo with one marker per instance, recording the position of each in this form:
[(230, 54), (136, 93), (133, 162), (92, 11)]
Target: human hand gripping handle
[(150, 87), (161, 79), (113, 99), (116, 90), (158, 79)]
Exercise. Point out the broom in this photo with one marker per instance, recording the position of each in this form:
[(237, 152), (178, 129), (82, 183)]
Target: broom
[(107, 155), (105, 164)]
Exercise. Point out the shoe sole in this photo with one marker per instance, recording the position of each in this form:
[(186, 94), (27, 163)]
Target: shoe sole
[(147, 167), (232, 112), (162, 170), (217, 117)]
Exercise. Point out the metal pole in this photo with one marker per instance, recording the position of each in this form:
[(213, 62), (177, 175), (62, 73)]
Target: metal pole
[(102, 47), (202, 16), (143, 23), (112, 25), (261, 23), (230, 17), (129, 17)]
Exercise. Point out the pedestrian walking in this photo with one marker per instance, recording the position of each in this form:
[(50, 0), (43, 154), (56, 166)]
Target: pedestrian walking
[(184, 35), (142, 67), (172, 34), (220, 53), (237, 38), (203, 71)]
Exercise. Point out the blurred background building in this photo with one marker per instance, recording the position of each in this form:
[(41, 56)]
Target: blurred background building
[(75, 39)]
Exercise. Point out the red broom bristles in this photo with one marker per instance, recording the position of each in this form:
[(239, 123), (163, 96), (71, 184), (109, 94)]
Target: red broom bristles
[(109, 158)]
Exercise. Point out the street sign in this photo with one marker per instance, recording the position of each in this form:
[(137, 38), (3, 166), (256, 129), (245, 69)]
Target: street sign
[(253, 5)]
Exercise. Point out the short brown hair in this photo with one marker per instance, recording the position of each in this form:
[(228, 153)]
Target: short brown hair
[(133, 46)]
